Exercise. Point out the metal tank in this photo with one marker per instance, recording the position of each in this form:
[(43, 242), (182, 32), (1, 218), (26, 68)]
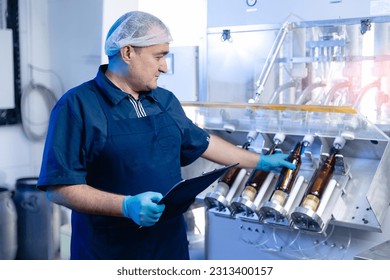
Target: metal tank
[(39, 222)]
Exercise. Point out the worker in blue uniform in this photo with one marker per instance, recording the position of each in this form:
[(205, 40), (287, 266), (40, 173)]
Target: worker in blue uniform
[(115, 145)]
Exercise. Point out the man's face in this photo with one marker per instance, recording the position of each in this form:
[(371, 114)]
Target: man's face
[(146, 66)]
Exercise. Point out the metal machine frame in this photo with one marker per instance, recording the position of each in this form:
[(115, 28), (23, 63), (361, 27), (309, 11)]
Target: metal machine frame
[(289, 99)]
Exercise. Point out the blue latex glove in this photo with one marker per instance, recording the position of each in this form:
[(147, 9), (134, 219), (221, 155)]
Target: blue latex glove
[(143, 208), (268, 162)]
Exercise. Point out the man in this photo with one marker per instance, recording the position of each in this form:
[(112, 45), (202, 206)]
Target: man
[(115, 145)]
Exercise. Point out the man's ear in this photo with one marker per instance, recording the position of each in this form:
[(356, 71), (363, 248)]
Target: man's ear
[(126, 53)]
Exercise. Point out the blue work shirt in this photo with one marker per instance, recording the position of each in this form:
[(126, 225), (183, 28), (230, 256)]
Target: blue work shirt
[(78, 128)]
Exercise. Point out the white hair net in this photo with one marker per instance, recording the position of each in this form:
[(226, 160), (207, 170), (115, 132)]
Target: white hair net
[(138, 29)]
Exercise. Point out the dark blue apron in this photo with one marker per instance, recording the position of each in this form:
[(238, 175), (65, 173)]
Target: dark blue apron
[(140, 155)]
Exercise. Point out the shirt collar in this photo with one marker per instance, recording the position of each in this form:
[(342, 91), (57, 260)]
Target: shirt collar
[(112, 92)]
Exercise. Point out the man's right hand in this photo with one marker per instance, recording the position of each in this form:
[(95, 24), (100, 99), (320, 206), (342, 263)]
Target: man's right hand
[(143, 208), (268, 162)]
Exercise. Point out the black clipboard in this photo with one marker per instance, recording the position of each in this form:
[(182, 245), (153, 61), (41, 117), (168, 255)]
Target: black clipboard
[(180, 197)]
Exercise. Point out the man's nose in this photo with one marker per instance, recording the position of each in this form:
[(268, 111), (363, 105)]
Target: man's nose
[(163, 66)]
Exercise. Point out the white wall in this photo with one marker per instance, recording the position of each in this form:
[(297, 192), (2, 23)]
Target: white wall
[(185, 19), (20, 157), (75, 31)]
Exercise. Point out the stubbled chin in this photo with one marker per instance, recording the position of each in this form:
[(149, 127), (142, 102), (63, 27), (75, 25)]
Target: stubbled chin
[(152, 86)]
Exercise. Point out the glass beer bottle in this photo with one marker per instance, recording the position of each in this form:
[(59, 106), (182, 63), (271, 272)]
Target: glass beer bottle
[(319, 182), (227, 180), (287, 176), (255, 180)]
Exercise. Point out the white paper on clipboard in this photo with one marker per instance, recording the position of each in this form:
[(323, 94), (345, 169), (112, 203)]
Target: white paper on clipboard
[(182, 195)]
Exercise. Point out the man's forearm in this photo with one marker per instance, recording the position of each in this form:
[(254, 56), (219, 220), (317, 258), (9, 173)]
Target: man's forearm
[(86, 199), (224, 152)]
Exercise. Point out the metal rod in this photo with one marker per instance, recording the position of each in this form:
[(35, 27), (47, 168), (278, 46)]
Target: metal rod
[(271, 59)]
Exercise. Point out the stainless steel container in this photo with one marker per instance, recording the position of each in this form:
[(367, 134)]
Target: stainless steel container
[(8, 226)]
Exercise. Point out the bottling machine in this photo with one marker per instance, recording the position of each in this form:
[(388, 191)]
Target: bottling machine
[(318, 90)]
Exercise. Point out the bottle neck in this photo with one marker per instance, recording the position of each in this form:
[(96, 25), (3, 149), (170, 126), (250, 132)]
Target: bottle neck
[(297, 152)]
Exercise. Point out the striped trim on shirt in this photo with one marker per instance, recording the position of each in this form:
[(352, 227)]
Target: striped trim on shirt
[(139, 109)]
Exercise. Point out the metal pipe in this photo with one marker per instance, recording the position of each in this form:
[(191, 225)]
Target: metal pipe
[(271, 59)]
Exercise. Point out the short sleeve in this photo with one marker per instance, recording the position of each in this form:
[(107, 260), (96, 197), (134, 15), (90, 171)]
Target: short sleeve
[(195, 143), (63, 159)]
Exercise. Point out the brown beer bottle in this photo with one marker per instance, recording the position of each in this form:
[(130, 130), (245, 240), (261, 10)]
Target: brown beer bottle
[(255, 180), (319, 182), (227, 180), (287, 176)]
